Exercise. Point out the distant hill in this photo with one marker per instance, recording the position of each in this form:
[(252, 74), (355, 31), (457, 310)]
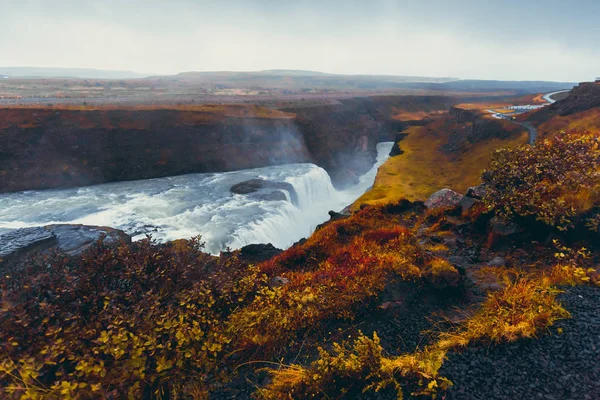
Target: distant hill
[(307, 80), (85, 73), (297, 80)]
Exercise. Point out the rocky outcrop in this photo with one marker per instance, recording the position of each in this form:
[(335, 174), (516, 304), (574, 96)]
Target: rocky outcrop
[(71, 239), (463, 115), (481, 127)]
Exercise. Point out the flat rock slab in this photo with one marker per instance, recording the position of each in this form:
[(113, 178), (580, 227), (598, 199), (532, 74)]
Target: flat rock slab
[(25, 239), (71, 239)]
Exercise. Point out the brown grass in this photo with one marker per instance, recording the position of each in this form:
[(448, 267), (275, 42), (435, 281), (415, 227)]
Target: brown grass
[(584, 121)]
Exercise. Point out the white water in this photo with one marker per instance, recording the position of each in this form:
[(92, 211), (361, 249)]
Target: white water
[(195, 204)]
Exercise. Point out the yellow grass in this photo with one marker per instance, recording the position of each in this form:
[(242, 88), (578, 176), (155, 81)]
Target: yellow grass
[(423, 169), (503, 111)]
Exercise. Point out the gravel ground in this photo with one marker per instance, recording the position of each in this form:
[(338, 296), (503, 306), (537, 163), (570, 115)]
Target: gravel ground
[(555, 366)]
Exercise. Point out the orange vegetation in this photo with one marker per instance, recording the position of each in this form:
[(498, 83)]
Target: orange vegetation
[(159, 321), (336, 274)]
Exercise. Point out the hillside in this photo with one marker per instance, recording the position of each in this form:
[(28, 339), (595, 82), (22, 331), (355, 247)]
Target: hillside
[(579, 111)]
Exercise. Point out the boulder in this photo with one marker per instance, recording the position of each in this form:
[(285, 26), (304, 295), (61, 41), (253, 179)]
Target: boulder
[(448, 198), (71, 239)]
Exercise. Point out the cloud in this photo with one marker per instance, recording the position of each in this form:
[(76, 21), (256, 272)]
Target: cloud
[(548, 40)]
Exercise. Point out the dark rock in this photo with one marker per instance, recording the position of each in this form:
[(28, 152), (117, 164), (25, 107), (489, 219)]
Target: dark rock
[(74, 239), (334, 216), (476, 192), (71, 239), (502, 227), (404, 206), (261, 185), (467, 202), (396, 150), (451, 242), (256, 253), (276, 195)]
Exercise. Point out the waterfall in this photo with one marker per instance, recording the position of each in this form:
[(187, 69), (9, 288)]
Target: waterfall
[(195, 204)]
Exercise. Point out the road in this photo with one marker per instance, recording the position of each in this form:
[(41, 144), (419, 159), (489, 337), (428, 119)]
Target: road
[(532, 131), (548, 97)]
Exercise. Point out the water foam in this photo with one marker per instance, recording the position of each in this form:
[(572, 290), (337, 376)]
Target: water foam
[(195, 204)]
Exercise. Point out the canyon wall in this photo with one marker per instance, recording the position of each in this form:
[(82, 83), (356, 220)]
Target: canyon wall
[(49, 148), (64, 146)]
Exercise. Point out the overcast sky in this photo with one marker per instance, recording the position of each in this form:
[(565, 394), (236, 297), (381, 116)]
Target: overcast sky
[(504, 39)]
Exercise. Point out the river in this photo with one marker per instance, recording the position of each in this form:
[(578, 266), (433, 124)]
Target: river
[(196, 204)]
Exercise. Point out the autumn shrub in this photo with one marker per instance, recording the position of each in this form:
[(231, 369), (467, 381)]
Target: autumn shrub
[(573, 267), (352, 369), (145, 321), (556, 182), (518, 311)]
